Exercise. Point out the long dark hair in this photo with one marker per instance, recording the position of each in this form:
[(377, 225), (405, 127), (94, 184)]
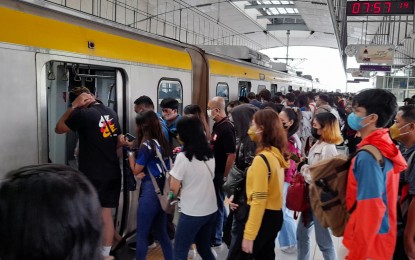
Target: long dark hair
[(149, 128), (191, 133), (295, 115), (48, 212), (195, 110), (273, 133)]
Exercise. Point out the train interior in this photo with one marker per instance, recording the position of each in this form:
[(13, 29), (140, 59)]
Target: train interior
[(61, 78)]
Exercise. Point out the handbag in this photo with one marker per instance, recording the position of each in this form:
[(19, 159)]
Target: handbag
[(297, 193), (235, 180), (163, 194)]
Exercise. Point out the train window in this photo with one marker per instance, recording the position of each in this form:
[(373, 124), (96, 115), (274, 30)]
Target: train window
[(274, 89), (411, 83), (168, 87), (222, 90), (290, 88), (244, 87), (261, 87)]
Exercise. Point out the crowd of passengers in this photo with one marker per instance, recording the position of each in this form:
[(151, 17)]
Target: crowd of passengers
[(52, 211)]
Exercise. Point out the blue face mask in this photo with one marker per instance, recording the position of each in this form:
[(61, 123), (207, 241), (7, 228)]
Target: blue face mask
[(355, 121)]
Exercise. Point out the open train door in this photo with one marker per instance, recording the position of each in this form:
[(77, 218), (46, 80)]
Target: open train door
[(200, 77)]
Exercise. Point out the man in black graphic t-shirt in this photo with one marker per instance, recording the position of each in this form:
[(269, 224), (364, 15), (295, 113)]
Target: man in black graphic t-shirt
[(99, 136), (224, 150)]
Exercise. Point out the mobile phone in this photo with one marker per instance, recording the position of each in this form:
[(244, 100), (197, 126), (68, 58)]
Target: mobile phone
[(130, 137)]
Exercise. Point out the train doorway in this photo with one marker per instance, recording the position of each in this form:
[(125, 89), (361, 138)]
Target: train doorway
[(57, 76)]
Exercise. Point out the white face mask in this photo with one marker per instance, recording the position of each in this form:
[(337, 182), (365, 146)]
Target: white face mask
[(209, 113)]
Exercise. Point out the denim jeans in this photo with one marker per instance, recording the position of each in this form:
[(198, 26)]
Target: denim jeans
[(194, 229), (221, 216), (287, 236), (150, 216), (323, 238)]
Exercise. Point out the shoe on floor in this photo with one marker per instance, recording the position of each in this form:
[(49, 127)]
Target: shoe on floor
[(289, 249), (192, 254), (154, 245), (214, 252), (132, 246)]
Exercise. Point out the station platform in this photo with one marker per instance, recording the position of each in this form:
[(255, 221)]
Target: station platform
[(222, 251)]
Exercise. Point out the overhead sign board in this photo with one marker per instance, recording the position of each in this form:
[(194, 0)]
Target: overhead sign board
[(385, 68), (379, 8), (381, 54)]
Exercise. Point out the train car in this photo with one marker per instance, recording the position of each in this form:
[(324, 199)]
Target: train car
[(45, 51)]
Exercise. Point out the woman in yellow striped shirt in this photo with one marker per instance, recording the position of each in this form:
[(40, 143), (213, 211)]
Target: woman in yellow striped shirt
[(264, 185)]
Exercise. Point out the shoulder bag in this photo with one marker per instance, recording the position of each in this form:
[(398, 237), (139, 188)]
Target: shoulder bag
[(163, 194)]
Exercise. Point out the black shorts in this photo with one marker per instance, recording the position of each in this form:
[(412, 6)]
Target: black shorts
[(108, 191)]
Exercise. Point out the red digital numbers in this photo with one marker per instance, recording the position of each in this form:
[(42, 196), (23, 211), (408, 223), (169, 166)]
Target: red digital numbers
[(388, 4), (404, 5), (375, 8), (356, 8)]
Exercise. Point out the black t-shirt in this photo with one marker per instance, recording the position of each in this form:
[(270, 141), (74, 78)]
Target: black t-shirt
[(223, 143), (97, 146)]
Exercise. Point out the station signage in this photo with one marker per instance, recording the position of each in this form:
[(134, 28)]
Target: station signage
[(384, 68), (379, 8)]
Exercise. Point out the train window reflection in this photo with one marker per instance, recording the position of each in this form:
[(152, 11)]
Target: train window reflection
[(168, 87), (244, 87), (261, 87), (222, 90)]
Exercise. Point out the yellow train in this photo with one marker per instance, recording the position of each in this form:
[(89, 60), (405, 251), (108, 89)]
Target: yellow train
[(44, 52)]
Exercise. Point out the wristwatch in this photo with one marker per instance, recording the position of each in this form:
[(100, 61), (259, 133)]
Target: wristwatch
[(130, 153)]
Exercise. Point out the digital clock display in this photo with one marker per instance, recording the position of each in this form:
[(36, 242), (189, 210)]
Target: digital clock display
[(369, 8)]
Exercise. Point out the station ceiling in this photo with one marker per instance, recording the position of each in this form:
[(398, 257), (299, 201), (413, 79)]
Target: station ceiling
[(259, 24)]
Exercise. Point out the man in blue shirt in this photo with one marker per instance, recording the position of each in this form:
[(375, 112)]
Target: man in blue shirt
[(143, 104), (170, 112)]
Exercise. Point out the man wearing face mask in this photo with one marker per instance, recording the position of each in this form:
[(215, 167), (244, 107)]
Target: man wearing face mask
[(170, 111), (403, 132), (372, 188), (224, 151)]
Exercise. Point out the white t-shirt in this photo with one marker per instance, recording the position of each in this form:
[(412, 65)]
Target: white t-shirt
[(197, 194)]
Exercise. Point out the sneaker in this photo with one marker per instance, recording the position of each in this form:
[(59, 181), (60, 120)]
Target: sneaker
[(192, 253), (132, 246), (215, 245), (214, 253), (154, 245), (289, 249)]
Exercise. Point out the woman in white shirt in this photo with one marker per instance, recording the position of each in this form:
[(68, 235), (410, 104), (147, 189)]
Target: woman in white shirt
[(192, 176), (327, 133)]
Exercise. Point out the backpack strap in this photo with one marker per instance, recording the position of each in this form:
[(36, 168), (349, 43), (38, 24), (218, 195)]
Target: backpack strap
[(377, 155), (267, 163)]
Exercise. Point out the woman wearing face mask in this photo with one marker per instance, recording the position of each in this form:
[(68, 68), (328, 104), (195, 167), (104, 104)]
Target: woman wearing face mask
[(290, 119), (327, 133), (245, 153), (264, 186)]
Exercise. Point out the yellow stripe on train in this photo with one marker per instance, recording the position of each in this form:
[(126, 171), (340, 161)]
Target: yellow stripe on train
[(35, 31)]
